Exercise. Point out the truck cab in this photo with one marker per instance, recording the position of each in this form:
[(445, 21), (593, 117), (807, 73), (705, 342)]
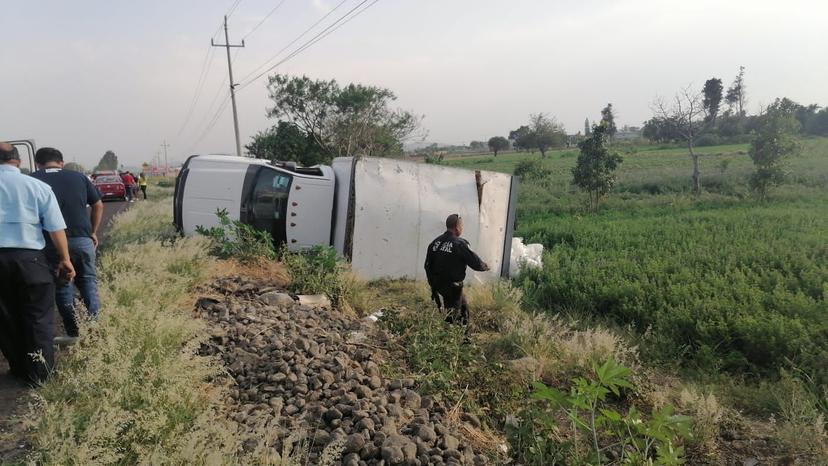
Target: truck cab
[(294, 204)]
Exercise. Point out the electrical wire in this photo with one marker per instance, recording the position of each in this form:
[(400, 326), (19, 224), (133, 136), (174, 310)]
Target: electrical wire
[(318, 37), (294, 40), (233, 8), (263, 20)]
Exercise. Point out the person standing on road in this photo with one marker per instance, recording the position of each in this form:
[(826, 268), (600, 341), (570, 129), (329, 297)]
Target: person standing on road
[(129, 186), (142, 183), (74, 192), (445, 266), (27, 285)]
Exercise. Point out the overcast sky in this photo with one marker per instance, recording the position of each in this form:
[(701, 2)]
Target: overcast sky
[(87, 76)]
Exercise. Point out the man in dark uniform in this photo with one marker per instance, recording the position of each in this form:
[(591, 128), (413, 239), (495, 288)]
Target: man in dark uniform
[(445, 266), (27, 288)]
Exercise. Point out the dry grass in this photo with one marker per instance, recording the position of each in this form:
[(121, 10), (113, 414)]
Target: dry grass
[(134, 390)]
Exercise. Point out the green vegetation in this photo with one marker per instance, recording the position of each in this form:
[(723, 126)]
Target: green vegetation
[(717, 282), (234, 239)]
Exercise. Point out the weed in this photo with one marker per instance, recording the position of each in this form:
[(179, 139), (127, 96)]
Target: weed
[(237, 240)]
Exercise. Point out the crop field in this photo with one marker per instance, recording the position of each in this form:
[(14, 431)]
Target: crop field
[(721, 282)]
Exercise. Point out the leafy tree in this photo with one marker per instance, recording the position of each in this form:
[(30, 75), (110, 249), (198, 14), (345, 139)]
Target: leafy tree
[(737, 93), (478, 145), (608, 120), (712, 98), (343, 121), (74, 166), (660, 129), (109, 161), (497, 144), (685, 112), (287, 142), (545, 133), (775, 142), (594, 171), (521, 138)]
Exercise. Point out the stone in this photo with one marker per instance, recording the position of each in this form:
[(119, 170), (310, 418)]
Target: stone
[(354, 443), (450, 442), (471, 419), (274, 298), (426, 434), (392, 454)]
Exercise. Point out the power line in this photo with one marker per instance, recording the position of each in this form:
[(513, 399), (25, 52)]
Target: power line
[(318, 37), (232, 9), (263, 20), (227, 45), (294, 40), (209, 118), (205, 67)]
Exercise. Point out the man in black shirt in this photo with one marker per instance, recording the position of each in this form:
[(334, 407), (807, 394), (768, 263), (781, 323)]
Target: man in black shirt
[(74, 193), (445, 266)]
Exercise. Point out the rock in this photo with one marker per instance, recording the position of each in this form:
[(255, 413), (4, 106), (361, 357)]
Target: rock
[(426, 434), (354, 443), (392, 454), (315, 301), (351, 459), (274, 298), (750, 462), (450, 442), (412, 399)]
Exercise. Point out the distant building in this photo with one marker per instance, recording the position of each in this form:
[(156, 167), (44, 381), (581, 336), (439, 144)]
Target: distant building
[(628, 133)]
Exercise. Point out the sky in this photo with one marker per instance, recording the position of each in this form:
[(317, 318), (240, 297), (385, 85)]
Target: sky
[(87, 76)]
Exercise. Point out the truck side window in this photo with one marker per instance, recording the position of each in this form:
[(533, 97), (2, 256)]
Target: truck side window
[(269, 203)]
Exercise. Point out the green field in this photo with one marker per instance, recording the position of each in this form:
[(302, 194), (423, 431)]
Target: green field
[(721, 282)]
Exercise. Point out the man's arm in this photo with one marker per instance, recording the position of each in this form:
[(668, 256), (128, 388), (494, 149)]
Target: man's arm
[(95, 217), (93, 198), (65, 269), (472, 259)]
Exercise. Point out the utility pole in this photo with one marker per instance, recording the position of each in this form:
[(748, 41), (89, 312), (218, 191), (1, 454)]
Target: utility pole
[(227, 46), (166, 165)]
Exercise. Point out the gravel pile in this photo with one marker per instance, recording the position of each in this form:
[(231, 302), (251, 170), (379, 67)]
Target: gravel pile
[(314, 371)]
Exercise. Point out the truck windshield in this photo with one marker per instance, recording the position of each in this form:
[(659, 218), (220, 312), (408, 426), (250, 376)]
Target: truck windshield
[(268, 206)]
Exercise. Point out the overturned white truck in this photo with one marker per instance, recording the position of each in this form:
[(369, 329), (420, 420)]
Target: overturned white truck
[(378, 213)]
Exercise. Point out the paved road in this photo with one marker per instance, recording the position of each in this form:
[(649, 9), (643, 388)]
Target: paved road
[(11, 391)]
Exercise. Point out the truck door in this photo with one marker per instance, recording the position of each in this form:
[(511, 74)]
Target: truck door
[(268, 202), (26, 149)]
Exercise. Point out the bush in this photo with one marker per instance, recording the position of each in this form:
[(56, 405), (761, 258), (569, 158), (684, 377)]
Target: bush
[(237, 240), (318, 270), (599, 429), (434, 159), (531, 170)]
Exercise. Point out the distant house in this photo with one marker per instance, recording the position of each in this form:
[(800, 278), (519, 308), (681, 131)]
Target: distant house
[(628, 133)]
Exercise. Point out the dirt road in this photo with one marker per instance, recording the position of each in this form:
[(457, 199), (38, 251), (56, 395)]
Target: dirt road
[(12, 392)]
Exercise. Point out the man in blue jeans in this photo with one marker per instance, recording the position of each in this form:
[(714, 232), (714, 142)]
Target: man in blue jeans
[(74, 193)]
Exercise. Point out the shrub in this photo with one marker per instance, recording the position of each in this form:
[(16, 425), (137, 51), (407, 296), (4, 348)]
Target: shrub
[(631, 437), (318, 270), (237, 240), (435, 159), (531, 170)]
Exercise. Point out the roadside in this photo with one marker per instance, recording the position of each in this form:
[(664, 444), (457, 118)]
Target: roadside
[(13, 393)]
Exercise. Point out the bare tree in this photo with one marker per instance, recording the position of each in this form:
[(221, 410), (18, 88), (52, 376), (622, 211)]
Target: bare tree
[(687, 112)]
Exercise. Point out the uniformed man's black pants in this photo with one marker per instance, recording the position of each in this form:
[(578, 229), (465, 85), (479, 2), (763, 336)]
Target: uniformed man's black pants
[(451, 299), (27, 302)]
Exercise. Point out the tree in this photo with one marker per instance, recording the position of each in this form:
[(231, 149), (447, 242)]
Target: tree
[(660, 129), (685, 112), (286, 142), (712, 98), (74, 166), (594, 172), (497, 144), (608, 120), (108, 162), (586, 127), (737, 93), (774, 143), (343, 121), (545, 132), (521, 138), (478, 145)]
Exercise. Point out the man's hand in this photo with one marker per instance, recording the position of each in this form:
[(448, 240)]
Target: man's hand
[(65, 270), (94, 240)]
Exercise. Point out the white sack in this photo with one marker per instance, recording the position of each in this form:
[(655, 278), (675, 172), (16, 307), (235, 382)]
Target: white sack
[(524, 255)]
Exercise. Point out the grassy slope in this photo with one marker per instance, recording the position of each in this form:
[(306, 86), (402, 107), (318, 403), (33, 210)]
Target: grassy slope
[(724, 282)]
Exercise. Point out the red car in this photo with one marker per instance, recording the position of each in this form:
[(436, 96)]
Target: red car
[(111, 187)]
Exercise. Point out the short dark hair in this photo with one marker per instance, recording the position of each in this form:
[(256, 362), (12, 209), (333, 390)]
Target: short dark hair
[(45, 155), (452, 221), (8, 155)]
